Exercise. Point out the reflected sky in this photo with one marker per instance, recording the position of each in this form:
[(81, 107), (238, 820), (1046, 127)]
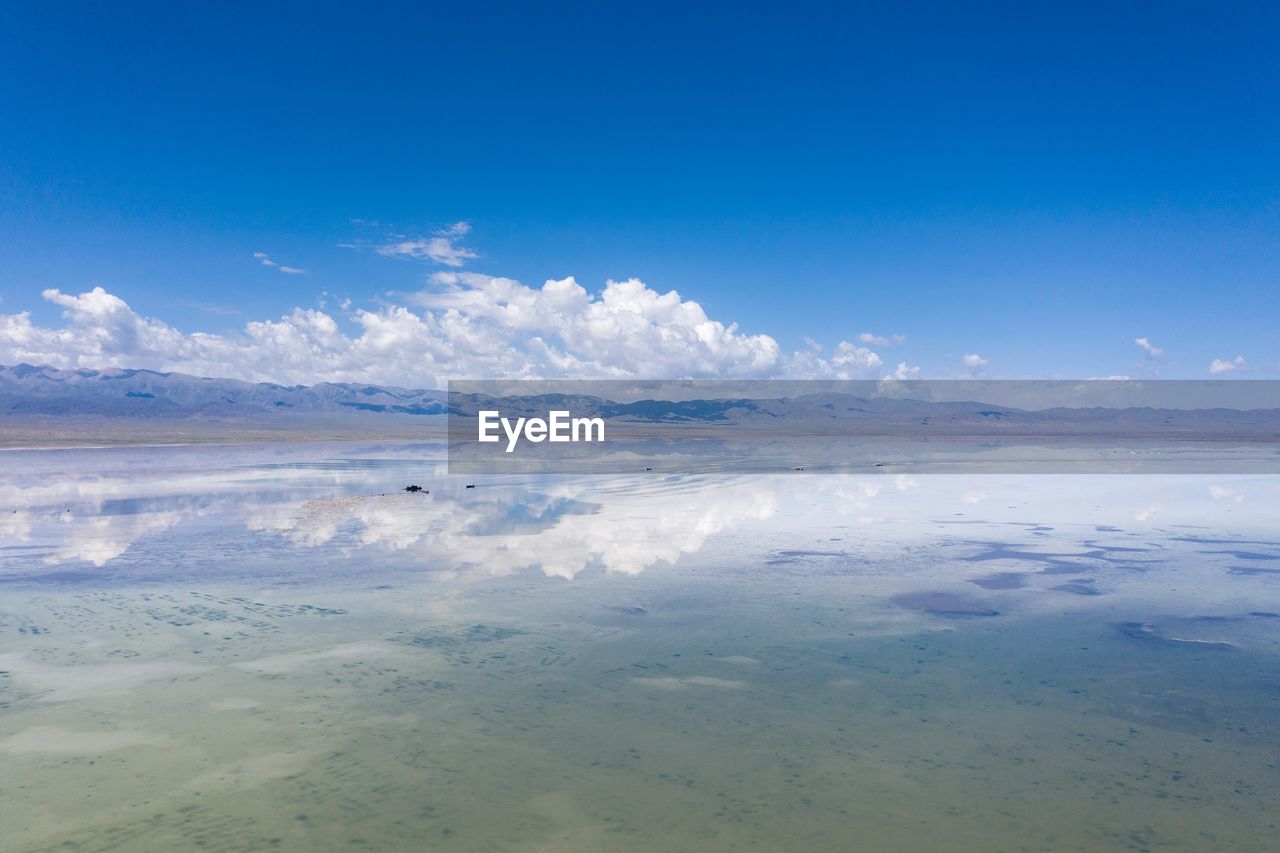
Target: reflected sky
[(92, 508), (214, 642), (104, 514)]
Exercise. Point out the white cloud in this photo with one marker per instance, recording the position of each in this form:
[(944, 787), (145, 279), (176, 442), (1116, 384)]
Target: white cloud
[(442, 248), (851, 358), (267, 262), (1152, 351), (972, 359), (627, 329), (1236, 365), (465, 325), (904, 371), (847, 362), (872, 339)]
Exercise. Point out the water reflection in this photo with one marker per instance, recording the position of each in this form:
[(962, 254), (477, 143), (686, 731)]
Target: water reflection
[(86, 507), (243, 648)]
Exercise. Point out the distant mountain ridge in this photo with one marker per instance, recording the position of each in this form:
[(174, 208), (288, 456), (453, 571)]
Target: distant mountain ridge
[(43, 390), (148, 394)]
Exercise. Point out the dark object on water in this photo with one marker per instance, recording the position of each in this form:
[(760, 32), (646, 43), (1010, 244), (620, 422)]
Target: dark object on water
[(471, 485), (647, 469), (415, 489)]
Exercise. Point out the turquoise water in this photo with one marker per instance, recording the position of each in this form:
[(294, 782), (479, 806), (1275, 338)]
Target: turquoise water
[(275, 647)]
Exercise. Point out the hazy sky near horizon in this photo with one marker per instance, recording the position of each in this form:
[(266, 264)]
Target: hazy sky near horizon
[(378, 192)]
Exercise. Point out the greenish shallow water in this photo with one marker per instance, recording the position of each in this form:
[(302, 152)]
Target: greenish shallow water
[(274, 648)]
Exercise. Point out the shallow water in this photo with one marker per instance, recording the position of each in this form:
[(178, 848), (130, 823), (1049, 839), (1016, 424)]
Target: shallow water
[(275, 647)]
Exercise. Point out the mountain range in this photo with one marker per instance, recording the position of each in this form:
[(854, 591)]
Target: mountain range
[(148, 394)]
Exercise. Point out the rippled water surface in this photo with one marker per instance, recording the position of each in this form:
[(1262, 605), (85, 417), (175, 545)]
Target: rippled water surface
[(275, 647)]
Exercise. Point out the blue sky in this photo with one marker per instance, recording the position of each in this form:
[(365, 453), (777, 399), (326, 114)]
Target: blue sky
[(1036, 185)]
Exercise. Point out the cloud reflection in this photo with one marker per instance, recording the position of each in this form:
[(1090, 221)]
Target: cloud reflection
[(502, 530), (273, 504)]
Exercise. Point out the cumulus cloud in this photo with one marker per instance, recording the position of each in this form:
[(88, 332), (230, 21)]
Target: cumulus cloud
[(853, 359), (847, 362), (1236, 365), (972, 359), (1152, 351), (442, 247), (465, 324), (267, 262), (904, 371)]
